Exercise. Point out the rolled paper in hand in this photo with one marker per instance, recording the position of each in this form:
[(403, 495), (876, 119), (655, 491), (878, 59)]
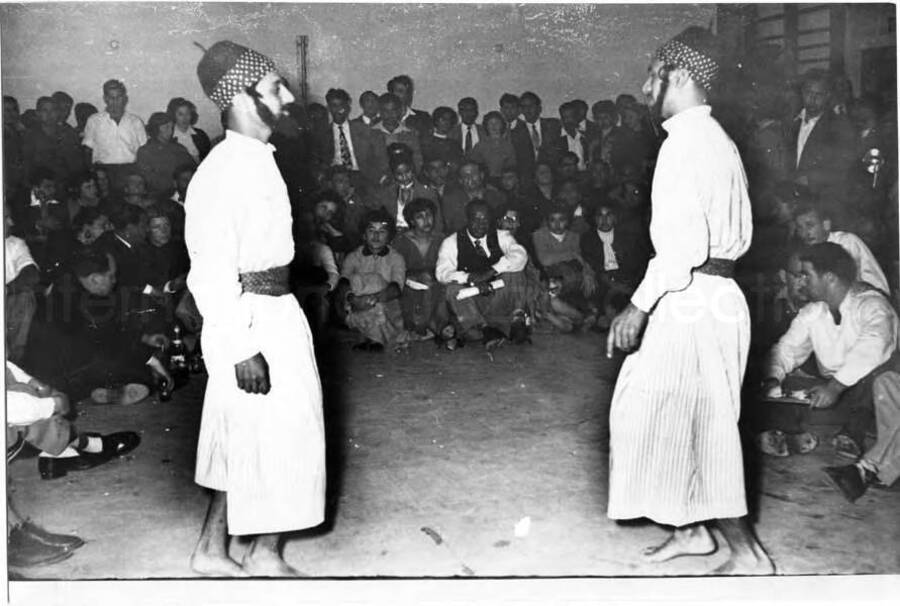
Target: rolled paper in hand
[(471, 291), (775, 392), (413, 284)]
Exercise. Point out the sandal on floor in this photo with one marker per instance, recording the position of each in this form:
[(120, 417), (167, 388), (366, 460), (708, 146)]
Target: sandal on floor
[(773, 443)]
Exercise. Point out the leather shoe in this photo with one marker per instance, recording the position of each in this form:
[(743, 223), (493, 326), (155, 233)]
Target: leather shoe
[(849, 479), (114, 445), (66, 541), (51, 468), (26, 550)]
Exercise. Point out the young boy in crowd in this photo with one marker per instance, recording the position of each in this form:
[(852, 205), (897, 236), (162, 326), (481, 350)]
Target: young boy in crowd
[(371, 284)]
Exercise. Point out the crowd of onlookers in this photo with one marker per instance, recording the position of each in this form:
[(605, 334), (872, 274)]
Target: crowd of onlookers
[(449, 225)]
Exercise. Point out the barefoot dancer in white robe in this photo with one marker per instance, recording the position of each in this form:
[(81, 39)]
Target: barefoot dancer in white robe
[(261, 447), (675, 452)]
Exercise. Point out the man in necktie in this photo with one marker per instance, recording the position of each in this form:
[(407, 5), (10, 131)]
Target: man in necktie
[(470, 132), (477, 255)]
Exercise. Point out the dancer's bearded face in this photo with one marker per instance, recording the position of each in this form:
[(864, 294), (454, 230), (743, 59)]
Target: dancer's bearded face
[(655, 88)]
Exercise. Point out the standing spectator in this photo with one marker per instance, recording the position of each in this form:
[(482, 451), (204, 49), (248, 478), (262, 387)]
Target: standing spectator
[(368, 103), (509, 108), (414, 119), (394, 130), (53, 145), (494, 151), (158, 158), (820, 145), (467, 133), (83, 111), (14, 173), (64, 103), (183, 114), (114, 136), (440, 145), (532, 135)]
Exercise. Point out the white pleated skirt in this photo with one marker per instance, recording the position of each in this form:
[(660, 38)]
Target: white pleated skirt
[(267, 452), (675, 451)]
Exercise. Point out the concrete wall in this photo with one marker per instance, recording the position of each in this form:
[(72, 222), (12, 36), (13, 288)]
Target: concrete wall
[(451, 51)]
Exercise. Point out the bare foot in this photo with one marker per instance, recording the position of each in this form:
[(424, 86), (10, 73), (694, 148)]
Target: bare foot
[(215, 565), (268, 564), (694, 540), (747, 564)]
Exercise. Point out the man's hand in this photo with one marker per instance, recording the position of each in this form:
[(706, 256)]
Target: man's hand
[(625, 330), (253, 374), (61, 404), (827, 395), (178, 283), (159, 341), (769, 387), (477, 277)]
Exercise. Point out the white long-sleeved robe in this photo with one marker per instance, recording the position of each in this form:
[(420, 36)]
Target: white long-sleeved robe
[(675, 452), (267, 452)]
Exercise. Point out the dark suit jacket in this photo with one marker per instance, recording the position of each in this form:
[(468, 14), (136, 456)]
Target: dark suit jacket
[(632, 253), (368, 147), (828, 153), (420, 122), (560, 145), (456, 133), (453, 205), (525, 153), (387, 195), (447, 149)]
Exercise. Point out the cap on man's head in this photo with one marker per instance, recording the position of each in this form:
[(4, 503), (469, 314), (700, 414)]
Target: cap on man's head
[(696, 50), (226, 69)]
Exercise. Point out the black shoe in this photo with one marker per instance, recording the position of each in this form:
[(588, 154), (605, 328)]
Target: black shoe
[(67, 541), (849, 480), (26, 550), (114, 445), (51, 468)]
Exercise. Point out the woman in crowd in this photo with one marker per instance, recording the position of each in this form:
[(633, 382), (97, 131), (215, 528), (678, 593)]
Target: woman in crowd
[(84, 194), (158, 158), (183, 115), (495, 152)]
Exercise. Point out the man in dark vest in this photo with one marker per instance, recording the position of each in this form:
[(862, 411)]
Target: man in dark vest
[(476, 256)]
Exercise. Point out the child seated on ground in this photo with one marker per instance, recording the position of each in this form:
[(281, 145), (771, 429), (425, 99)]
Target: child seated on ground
[(424, 311), (558, 252), (371, 285)]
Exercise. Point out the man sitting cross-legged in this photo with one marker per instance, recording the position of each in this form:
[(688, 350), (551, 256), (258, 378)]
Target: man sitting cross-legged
[(371, 285), (38, 412), (476, 256), (853, 332)]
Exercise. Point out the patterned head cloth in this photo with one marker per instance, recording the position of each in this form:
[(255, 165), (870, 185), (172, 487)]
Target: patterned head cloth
[(226, 69), (695, 50)]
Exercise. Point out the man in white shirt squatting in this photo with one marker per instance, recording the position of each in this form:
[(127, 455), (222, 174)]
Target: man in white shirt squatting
[(675, 451), (261, 447)]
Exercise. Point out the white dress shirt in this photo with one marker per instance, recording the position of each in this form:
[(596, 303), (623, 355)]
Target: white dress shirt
[(867, 268), (464, 129), (610, 263), (238, 219), (186, 139), (17, 258), (806, 127), (337, 160), (113, 143), (575, 145), (514, 257), (700, 204), (865, 338)]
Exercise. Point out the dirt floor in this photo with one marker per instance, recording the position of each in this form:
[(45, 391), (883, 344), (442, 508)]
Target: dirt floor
[(435, 457)]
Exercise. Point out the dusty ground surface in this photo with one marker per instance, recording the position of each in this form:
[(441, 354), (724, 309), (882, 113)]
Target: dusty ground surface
[(457, 445)]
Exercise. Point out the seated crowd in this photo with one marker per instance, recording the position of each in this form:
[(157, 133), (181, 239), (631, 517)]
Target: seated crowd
[(412, 226)]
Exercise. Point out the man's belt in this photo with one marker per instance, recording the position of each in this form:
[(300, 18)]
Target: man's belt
[(723, 268), (272, 282)]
